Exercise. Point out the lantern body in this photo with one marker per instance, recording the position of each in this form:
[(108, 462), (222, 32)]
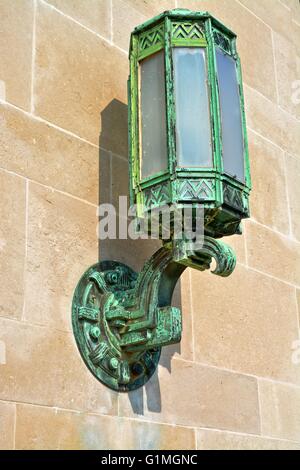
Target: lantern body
[(187, 130)]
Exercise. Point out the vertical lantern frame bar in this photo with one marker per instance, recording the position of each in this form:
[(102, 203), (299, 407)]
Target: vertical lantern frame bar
[(215, 113), (133, 119)]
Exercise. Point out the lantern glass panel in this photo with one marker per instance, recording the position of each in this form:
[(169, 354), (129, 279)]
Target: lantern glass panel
[(232, 133), (153, 115), (193, 130)]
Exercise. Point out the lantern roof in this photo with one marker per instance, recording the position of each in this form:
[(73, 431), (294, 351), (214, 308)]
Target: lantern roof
[(180, 14)]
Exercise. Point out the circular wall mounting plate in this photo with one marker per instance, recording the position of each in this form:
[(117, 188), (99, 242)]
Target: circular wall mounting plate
[(100, 313)]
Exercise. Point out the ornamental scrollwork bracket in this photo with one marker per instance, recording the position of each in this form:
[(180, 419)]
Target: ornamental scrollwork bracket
[(121, 320)]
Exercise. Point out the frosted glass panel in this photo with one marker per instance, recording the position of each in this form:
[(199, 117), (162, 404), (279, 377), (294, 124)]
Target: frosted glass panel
[(193, 132), (232, 137), (153, 116)]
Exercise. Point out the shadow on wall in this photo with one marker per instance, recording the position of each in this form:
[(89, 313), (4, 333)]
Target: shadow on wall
[(113, 182)]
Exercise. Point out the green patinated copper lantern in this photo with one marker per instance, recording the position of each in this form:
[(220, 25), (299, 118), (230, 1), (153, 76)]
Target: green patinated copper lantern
[(188, 141), (187, 149)]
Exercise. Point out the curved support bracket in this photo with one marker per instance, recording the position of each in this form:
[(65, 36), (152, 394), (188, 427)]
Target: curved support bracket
[(121, 320)]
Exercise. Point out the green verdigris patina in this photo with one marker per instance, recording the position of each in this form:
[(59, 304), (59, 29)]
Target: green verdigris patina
[(224, 198), (121, 320)]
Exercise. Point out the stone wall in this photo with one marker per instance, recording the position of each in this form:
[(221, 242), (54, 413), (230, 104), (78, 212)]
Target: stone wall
[(234, 381)]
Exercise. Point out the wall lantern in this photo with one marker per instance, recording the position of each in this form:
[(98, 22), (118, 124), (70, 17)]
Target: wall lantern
[(187, 148)]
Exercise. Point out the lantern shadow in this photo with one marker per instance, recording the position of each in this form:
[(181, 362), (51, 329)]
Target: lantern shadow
[(114, 182)]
